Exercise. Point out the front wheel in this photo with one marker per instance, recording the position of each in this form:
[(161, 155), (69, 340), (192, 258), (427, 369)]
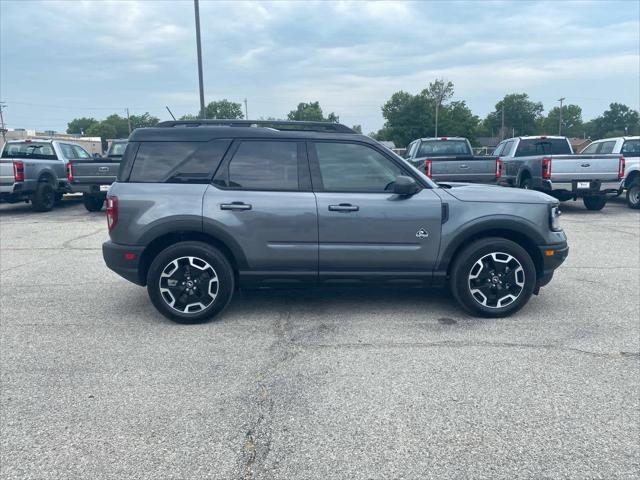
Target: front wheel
[(190, 282), (633, 195), (595, 202), (92, 203), (493, 277)]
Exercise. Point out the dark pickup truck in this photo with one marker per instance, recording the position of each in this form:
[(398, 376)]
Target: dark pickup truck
[(451, 159), (93, 176)]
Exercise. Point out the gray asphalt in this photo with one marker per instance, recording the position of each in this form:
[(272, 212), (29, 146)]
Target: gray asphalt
[(308, 384)]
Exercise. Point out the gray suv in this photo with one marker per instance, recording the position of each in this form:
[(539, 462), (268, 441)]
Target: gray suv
[(201, 208)]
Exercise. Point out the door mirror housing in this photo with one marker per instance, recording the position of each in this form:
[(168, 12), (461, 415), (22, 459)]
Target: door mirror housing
[(404, 185)]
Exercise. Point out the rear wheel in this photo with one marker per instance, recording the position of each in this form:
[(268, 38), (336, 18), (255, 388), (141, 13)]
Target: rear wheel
[(93, 203), (44, 197), (190, 282), (633, 195), (595, 202), (526, 183), (493, 277)]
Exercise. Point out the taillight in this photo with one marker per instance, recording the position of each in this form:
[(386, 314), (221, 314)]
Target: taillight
[(546, 168), (69, 172), (112, 211), (498, 168), (621, 167), (18, 171), (427, 168)]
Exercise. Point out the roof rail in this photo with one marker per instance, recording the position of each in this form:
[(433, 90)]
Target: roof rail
[(285, 125)]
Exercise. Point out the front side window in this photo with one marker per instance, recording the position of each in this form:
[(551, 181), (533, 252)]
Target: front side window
[(68, 151), (631, 148), (264, 165), (506, 150), (498, 150), (349, 167)]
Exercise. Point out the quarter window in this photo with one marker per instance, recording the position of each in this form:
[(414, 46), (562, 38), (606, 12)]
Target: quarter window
[(631, 148), (68, 151), (349, 167), (262, 165), (591, 149), (607, 147), (80, 152)]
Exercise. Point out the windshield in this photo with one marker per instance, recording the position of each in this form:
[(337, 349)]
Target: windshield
[(42, 151), (442, 148), (117, 149)]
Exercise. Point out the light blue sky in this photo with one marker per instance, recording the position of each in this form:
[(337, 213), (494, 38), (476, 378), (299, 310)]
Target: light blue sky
[(61, 60)]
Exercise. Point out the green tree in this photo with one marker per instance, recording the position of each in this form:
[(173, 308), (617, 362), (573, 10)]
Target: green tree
[(407, 117), (572, 125), (189, 116), (120, 124), (144, 120), (224, 109), (311, 112), (457, 120), (80, 125), (357, 128), (104, 131), (521, 115), (618, 120)]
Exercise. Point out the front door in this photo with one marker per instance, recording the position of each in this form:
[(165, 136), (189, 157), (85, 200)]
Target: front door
[(365, 230)]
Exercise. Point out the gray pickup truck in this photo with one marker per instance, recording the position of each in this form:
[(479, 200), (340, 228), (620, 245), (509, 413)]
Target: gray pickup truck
[(199, 211), (548, 164), (93, 176), (34, 170), (451, 159)]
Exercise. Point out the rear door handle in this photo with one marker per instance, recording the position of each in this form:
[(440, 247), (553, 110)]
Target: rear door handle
[(235, 206), (344, 207)]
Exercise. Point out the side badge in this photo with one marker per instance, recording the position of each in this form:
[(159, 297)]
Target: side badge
[(422, 233)]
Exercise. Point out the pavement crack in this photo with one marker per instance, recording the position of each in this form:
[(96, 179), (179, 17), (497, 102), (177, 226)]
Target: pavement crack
[(67, 245)]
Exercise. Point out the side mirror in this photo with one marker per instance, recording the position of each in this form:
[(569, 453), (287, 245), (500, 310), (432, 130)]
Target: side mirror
[(404, 185)]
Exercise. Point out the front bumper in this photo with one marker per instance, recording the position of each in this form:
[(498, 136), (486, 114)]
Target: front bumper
[(552, 257), (124, 260)]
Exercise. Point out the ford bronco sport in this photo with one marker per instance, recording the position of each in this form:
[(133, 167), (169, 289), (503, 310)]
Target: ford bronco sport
[(201, 208)]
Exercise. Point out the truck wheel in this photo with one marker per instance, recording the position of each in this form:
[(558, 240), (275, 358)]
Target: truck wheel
[(595, 202), (526, 183), (59, 197), (93, 203), (190, 282), (493, 277), (44, 198), (633, 195)]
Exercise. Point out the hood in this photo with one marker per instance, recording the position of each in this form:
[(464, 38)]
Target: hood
[(473, 192)]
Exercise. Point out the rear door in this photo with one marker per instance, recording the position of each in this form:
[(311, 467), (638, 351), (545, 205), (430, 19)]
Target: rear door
[(261, 198), (364, 228)]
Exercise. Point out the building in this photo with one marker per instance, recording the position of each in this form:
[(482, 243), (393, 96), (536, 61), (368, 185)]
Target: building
[(90, 144)]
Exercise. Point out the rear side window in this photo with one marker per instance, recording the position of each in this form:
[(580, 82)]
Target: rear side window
[(177, 162), (543, 146), (631, 148), (68, 151), (263, 165), (80, 152), (40, 151), (607, 147), (591, 149), (506, 150)]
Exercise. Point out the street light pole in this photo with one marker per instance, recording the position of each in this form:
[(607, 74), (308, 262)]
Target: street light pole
[(199, 47), (560, 121)]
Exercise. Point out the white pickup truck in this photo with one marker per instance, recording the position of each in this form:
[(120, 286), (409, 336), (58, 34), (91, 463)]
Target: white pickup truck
[(629, 148), (548, 164)]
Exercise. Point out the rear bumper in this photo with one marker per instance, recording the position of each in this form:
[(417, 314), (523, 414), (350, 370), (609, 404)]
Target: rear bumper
[(124, 260), (552, 257), (596, 187)]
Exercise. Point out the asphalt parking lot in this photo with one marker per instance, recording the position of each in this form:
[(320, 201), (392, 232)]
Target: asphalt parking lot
[(315, 383)]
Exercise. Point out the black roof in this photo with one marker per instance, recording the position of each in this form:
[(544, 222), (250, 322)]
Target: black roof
[(205, 130)]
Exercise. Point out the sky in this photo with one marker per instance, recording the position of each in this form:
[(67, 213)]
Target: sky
[(61, 60)]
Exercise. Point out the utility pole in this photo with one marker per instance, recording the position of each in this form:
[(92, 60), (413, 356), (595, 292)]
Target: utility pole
[(199, 48), (129, 121), (246, 113), (4, 137), (560, 121), (437, 105), (502, 124)]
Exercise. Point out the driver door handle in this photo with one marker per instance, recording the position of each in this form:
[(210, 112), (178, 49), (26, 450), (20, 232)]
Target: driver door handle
[(235, 206), (344, 207)]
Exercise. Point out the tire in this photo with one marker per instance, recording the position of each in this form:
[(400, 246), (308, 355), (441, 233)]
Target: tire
[(181, 266), (92, 203), (509, 272), (526, 183), (59, 197), (633, 195), (44, 198), (595, 202)]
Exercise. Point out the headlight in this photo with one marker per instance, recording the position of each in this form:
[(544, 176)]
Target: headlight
[(554, 218)]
